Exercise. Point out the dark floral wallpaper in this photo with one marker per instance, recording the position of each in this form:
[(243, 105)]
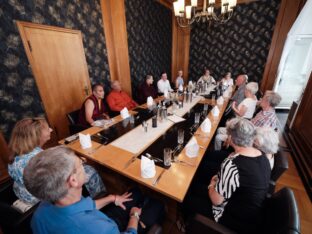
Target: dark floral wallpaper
[(149, 29), (19, 95), (240, 46)]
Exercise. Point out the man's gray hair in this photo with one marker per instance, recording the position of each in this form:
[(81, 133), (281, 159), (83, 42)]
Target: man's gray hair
[(46, 174), (266, 140), (246, 78), (252, 87), (273, 98), (242, 131)]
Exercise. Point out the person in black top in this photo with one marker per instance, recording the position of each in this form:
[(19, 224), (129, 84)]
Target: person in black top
[(147, 90), (235, 195)]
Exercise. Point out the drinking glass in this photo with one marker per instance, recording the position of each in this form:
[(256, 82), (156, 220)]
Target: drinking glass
[(213, 99), (167, 157), (197, 117), (180, 136), (205, 107)]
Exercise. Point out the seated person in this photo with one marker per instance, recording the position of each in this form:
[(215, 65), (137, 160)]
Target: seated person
[(267, 141), (179, 81), (227, 80), (236, 194), (56, 177), (267, 116), (163, 84), (118, 99), (93, 107), (206, 78), (27, 139), (146, 90), (247, 107), (239, 94)]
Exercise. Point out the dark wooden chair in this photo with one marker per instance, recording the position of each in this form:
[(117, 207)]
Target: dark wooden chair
[(11, 220), (281, 216), (280, 166), (74, 127)]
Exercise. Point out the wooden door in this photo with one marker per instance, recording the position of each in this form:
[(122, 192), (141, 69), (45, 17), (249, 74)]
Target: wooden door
[(58, 62)]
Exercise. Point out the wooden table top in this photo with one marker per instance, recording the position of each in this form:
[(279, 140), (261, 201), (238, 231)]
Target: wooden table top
[(174, 182)]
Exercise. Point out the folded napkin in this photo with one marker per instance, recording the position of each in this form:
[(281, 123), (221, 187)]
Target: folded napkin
[(149, 101), (220, 101), (147, 167), (192, 148), (206, 125), (181, 88), (176, 119), (215, 111), (85, 141), (124, 113)]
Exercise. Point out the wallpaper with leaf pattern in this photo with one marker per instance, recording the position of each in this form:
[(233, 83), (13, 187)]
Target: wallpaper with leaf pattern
[(19, 95), (240, 46), (149, 31)]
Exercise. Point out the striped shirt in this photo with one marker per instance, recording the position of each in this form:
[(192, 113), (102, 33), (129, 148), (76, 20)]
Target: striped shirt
[(266, 119)]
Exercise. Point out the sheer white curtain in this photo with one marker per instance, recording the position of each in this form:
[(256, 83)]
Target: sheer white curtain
[(296, 60)]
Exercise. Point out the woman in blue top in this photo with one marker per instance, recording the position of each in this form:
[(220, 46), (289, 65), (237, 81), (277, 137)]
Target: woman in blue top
[(27, 139)]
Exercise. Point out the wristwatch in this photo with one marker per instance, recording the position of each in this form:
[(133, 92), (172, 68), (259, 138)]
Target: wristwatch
[(136, 215)]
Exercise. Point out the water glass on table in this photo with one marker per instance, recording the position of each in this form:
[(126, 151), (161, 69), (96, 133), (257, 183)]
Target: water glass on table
[(197, 118), (167, 157), (180, 136)]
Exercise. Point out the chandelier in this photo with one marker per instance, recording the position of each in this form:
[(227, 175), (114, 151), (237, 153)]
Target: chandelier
[(186, 15)]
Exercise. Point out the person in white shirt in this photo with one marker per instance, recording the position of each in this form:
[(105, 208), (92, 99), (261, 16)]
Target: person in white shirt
[(163, 84), (227, 80), (247, 107), (245, 110), (206, 78), (179, 80)]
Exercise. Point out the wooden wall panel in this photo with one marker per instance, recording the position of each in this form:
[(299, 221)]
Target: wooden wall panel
[(180, 50), (286, 17), (300, 136), (114, 19)]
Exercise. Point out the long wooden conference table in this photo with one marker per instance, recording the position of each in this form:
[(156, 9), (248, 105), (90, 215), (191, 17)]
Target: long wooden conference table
[(176, 179)]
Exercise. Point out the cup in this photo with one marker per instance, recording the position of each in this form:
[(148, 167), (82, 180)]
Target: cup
[(132, 119), (205, 107), (180, 136), (167, 157), (197, 118), (154, 121)]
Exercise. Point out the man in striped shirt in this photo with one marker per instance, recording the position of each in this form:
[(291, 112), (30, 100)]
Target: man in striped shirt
[(267, 116)]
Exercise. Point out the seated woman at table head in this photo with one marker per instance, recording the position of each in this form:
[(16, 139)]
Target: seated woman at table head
[(236, 194), (146, 90), (267, 141), (27, 139), (93, 107), (206, 78)]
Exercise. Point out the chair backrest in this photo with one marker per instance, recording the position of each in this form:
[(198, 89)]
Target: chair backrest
[(281, 213), (280, 165), (73, 117)]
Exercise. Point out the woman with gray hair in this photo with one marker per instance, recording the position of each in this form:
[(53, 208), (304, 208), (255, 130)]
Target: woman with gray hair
[(267, 141), (237, 192), (247, 107)]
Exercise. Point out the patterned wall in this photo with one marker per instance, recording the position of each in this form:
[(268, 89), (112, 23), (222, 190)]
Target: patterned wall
[(149, 31), (19, 96), (240, 46)]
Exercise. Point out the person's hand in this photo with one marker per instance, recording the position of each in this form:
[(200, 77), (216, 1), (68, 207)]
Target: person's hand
[(120, 199), (234, 105), (135, 209), (214, 180)]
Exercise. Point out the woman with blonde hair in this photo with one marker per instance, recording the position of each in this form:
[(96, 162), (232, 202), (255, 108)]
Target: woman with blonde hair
[(27, 139)]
